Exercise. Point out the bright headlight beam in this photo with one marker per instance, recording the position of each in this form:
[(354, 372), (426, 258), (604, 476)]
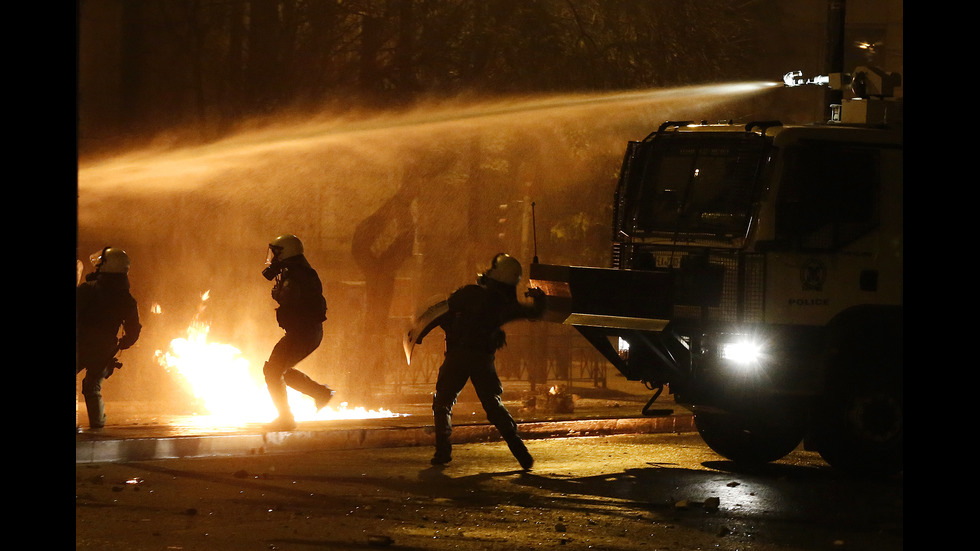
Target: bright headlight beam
[(623, 349), (742, 353), (624, 346)]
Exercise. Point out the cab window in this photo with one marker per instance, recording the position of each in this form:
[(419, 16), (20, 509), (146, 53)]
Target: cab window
[(829, 195)]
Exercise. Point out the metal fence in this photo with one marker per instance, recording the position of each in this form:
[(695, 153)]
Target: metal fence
[(540, 357)]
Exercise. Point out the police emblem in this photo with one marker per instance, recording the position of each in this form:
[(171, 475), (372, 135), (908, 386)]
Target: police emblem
[(813, 273)]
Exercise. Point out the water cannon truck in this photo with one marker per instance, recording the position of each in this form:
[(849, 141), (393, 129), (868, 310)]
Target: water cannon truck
[(756, 274)]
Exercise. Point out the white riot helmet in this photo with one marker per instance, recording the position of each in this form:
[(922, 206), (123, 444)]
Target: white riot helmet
[(505, 269), (110, 260), (285, 246)]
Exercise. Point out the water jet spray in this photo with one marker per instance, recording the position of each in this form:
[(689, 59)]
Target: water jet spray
[(209, 209)]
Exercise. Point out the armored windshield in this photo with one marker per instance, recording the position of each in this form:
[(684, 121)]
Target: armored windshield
[(692, 183)]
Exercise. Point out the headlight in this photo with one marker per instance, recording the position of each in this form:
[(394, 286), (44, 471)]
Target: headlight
[(743, 352), (623, 348)]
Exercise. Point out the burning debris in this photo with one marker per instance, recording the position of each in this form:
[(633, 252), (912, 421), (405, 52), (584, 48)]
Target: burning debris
[(556, 400), (219, 378)]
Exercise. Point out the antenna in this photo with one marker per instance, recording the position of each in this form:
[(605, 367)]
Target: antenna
[(534, 233)]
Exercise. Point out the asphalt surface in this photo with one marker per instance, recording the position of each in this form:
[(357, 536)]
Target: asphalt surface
[(140, 431)]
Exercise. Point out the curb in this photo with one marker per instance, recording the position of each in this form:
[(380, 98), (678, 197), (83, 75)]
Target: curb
[(146, 449)]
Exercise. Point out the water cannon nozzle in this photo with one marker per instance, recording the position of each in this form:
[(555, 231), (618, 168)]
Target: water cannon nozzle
[(863, 82), (795, 78)]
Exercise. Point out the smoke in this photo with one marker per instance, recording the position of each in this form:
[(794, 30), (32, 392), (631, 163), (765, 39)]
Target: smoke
[(392, 209)]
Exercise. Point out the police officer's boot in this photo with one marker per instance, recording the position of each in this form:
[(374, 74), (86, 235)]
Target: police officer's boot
[(442, 415), (94, 405), (444, 451), (285, 422), (324, 398), (520, 452), (96, 411), (277, 391), (302, 382)]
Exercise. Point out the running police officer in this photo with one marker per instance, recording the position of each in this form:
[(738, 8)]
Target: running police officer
[(301, 313), (473, 335)]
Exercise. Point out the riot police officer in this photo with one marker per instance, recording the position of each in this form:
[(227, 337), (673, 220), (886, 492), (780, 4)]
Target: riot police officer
[(473, 335), (301, 313), (103, 305)]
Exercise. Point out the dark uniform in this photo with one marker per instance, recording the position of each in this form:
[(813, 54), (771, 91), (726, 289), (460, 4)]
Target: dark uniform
[(473, 335), (103, 304), (301, 313)]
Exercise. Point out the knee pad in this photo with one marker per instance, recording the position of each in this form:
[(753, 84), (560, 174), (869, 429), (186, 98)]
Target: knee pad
[(91, 389), (442, 405), (272, 372)]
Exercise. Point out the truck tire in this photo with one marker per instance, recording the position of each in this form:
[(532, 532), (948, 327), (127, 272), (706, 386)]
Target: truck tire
[(749, 439), (861, 430), (859, 425)]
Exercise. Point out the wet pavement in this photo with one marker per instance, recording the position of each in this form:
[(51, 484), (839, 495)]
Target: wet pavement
[(143, 431)]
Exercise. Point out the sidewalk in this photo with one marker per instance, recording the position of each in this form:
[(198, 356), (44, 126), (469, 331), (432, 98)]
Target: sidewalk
[(136, 433)]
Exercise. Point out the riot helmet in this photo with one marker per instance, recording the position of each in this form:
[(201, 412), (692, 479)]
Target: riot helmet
[(110, 260), (504, 269), (282, 247), (285, 246)]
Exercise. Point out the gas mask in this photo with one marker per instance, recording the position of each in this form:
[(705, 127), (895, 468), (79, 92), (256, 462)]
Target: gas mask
[(97, 258), (273, 266)]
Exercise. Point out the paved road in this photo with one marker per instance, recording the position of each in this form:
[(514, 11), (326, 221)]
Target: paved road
[(620, 492)]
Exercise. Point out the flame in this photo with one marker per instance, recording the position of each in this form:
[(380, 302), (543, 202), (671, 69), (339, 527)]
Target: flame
[(220, 380)]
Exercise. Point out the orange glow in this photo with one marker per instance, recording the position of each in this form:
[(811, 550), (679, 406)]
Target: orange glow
[(219, 378)]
